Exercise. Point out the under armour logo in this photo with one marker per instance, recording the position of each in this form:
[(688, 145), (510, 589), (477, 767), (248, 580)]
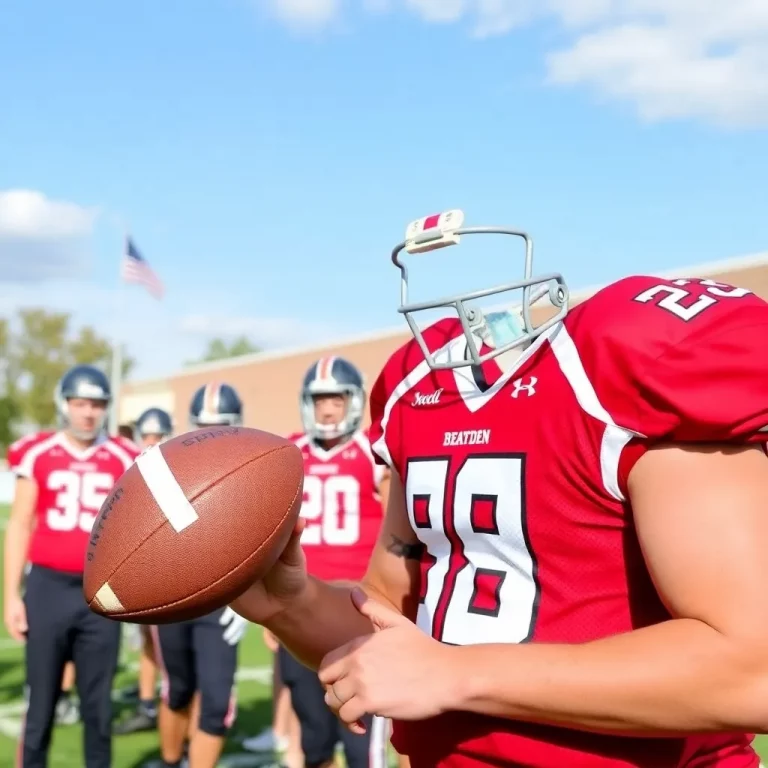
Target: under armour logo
[(433, 398), (520, 386)]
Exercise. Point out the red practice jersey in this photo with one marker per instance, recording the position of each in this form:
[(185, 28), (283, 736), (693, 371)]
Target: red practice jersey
[(516, 485), (127, 443), (341, 506), (72, 486)]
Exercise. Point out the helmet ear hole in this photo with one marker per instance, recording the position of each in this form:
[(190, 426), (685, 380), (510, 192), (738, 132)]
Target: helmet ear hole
[(558, 294)]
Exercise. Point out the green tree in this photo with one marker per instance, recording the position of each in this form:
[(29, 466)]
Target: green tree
[(88, 348), (10, 407), (221, 349), (10, 413), (42, 356), (42, 350)]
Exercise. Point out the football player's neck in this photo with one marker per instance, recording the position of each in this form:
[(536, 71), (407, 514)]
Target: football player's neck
[(76, 442), (508, 359), (330, 444)]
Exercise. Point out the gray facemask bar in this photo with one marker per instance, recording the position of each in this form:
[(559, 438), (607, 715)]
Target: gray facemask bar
[(552, 284)]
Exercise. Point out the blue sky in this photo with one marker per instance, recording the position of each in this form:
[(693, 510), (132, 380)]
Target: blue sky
[(267, 155)]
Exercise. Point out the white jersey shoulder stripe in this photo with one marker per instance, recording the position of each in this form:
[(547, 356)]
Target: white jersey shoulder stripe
[(302, 441), (379, 447), (26, 467), (615, 437), (364, 444), (119, 452)]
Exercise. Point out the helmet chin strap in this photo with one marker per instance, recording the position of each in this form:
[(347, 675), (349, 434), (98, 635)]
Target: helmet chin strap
[(79, 434), (85, 436), (334, 433)]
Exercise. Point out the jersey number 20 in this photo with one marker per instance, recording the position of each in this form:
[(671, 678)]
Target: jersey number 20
[(331, 508), (78, 498)]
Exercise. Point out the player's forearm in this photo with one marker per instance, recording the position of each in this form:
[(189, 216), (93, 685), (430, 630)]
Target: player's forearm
[(16, 547), (321, 620), (677, 677)]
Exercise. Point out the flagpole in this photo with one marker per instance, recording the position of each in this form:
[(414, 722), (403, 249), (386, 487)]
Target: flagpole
[(116, 376), (116, 372)]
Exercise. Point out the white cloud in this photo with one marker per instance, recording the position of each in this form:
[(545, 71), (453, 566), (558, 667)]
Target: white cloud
[(674, 58), (669, 59), (151, 336), (440, 11), (40, 238), (267, 332), (304, 14)]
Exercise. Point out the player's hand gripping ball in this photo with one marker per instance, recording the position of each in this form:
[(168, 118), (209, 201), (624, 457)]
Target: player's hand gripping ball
[(192, 524)]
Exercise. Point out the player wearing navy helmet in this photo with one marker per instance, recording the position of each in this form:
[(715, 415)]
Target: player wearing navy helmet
[(200, 656), (342, 510), (216, 405), (332, 399), (152, 427), (62, 480)]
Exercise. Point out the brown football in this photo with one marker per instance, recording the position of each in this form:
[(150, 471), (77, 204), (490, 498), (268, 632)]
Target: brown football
[(192, 523)]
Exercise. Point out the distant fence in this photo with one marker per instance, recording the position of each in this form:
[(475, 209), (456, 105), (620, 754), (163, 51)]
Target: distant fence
[(6, 486)]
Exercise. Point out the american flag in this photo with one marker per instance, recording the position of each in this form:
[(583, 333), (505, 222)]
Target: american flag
[(135, 269)]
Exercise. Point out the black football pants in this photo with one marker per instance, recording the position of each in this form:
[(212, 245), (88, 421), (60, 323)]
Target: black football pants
[(62, 628), (321, 730), (195, 657)]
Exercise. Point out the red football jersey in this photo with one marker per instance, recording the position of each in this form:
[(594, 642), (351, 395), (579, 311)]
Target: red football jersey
[(127, 443), (341, 506), (72, 486), (516, 484)]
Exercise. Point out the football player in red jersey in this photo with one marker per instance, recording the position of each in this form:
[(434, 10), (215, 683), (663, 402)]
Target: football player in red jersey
[(198, 658), (571, 569), (62, 479), (342, 513), (152, 428)]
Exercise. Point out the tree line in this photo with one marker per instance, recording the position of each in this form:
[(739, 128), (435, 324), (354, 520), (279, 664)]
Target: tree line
[(36, 348)]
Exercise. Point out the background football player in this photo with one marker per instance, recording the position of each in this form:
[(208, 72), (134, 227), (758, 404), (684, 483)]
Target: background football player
[(152, 427), (199, 657), (284, 735), (63, 478), (342, 510)]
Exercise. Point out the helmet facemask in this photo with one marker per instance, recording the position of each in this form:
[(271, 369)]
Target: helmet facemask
[(353, 413), (206, 419), (64, 420), (503, 329)]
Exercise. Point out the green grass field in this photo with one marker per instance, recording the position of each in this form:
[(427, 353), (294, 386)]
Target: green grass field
[(140, 750)]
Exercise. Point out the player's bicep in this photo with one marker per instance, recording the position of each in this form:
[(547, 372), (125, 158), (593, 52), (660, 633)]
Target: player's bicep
[(701, 514), (394, 568), (24, 502)]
